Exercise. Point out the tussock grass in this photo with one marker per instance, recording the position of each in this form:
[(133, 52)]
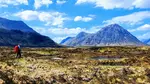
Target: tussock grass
[(76, 66)]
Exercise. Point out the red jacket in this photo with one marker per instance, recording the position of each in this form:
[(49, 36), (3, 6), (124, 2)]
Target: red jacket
[(16, 49)]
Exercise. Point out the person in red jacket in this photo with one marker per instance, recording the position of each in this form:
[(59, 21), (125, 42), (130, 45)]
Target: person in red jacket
[(17, 50)]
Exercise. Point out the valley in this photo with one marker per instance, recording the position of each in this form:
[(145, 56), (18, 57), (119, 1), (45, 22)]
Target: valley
[(86, 65)]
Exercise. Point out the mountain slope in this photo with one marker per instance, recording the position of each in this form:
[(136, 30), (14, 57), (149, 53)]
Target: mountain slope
[(66, 39), (147, 41), (17, 32), (111, 35), (76, 40), (14, 25), (14, 37)]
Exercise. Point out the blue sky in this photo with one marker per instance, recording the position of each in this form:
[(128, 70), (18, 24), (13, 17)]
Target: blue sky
[(59, 19)]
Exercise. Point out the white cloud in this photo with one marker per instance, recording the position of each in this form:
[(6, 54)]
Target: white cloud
[(71, 31), (84, 19), (28, 15), (65, 31), (59, 39), (131, 19), (40, 30), (111, 4), (94, 29), (5, 3), (145, 27), (5, 15), (39, 3), (58, 34), (61, 2), (50, 18), (142, 3), (144, 36)]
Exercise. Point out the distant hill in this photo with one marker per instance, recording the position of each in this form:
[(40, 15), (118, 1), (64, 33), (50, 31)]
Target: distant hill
[(17, 32), (66, 39), (147, 41), (111, 35)]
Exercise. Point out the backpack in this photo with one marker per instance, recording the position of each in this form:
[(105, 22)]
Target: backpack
[(16, 49)]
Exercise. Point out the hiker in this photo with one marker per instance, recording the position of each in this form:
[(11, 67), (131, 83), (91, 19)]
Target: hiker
[(17, 50)]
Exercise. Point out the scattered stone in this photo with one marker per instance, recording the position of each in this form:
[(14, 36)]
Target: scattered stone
[(87, 79), (57, 58)]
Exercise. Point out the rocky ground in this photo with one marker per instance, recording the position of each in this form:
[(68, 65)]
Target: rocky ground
[(96, 65)]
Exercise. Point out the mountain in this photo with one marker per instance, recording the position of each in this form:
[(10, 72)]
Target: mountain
[(17, 32), (65, 40), (14, 25), (69, 40), (82, 34), (147, 41), (111, 35)]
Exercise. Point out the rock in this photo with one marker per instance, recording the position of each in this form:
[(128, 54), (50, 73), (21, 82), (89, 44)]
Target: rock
[(2, 81), (70, 78), (57, 58), (87, 79)]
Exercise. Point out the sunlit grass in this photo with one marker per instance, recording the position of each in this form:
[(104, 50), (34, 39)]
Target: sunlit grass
[(77, 66)]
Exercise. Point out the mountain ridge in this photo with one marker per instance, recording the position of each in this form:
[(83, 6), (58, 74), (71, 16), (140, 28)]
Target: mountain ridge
[(111, 35), (14, 25), (147, 41), (14, 32)]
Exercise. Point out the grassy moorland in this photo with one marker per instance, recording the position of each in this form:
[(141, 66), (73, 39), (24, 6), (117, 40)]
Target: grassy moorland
[(97, 65)]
